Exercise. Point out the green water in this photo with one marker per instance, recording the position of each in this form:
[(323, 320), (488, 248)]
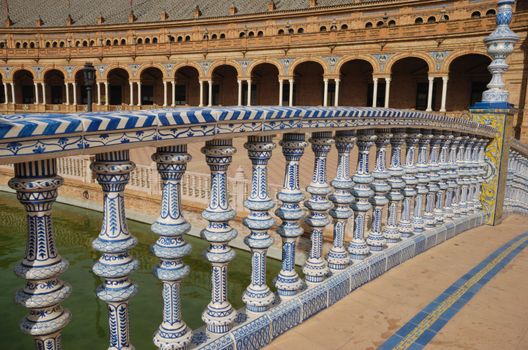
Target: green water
[(75, 229)]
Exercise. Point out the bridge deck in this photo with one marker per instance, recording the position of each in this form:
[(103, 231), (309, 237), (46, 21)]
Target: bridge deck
[(494, 318)]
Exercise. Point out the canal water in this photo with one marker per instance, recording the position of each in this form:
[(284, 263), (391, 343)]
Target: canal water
[(75, 229)]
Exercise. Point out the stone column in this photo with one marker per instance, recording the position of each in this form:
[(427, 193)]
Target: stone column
[(13, 93), (74, 94), (397, 185), (444, 93), (43, 93), (338, 257), (201, 93), (114, 242), (291, 92), (219, 314), (432, 187), (441, 203), (165, 93), (430, 95), (36, 93), (67, 85), (210, 87), (99, 93), (375, 92), (36, 184), (288, 282), (281, 91), (325, 93), (173, 86), (423, 180), (171, 247), (315, 269), (249, 92), (239, 92), (381, 187), (406, 226), (387, 92), (6, 95), (336, 97), (358, 247), (131, 93), (258, 297), (139, 102)]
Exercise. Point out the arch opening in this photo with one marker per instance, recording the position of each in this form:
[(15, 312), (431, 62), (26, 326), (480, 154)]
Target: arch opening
[(187, 87), (151, 80), (118, 87), (468, 78), (54, 84), (264, 85), (356, 87), (308, 86), (225, 86), (24, 87), (410, 84)]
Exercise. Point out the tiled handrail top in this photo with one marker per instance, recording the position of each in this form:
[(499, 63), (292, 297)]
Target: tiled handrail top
[(24, 135), (522, 148)]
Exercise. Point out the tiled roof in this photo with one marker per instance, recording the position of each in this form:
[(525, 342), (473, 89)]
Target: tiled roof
[(24, 13)]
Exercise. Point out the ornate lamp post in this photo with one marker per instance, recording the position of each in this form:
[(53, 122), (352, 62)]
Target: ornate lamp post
[(500, 45), (89, 81)]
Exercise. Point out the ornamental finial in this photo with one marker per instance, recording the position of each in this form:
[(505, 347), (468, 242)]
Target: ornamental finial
[(500, 45)]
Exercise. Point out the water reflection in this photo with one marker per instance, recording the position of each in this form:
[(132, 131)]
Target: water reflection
[(75, 229)]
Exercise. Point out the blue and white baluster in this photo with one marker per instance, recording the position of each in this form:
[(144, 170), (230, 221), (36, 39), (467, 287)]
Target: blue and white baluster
[(358, 247), (288, 282), (391, 232), (258, 297), (381, 187), (315, 269), (473, 174), (463, 175), (434, 178), (219, 314), (170, 247), (406, 226), (423, 180), (453, 191), (338, 257), (36, 184), (481, 163), (112, 170), (441, 206)]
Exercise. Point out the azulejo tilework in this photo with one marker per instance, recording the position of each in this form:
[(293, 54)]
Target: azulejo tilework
[(421, 329), (261, 330), (25, 135)]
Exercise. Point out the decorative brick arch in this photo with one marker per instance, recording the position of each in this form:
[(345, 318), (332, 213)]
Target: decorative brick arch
[(375, 65), (28, 69), (256, 63), (162, 69), (322, 62), (46, 70), (194, 65), (421, 55), (234, 64), (115, 66), (458, 54)]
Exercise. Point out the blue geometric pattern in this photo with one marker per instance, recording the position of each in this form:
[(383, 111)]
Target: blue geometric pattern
[(27, 134)]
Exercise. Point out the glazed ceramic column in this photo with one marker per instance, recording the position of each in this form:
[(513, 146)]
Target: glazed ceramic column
[(338, 257), (473, 172), (375, 92), (315, 269), (423, 180), (397, 185), (358, 247), (210, 92), (443, 173), (481, 172), (36, 185), (36, 94), (463, 175), (249, 92), (445, 79), (453, 192), (290, 102), (432, 186), (325, 92), (406, 226), (430, 95), (336, 92), (258, 297), (281, 91), (239, 92), (170, 247), (201, 103), (387, 92), (288, 282), (381, 187), (112, 170), (219, 314)]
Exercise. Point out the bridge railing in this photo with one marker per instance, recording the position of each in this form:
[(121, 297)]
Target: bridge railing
[(424, 186)]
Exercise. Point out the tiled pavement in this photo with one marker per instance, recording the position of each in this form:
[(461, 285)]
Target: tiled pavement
[(496, 317)]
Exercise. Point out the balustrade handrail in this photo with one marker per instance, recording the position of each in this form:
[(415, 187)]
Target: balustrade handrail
[(33, 136)]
